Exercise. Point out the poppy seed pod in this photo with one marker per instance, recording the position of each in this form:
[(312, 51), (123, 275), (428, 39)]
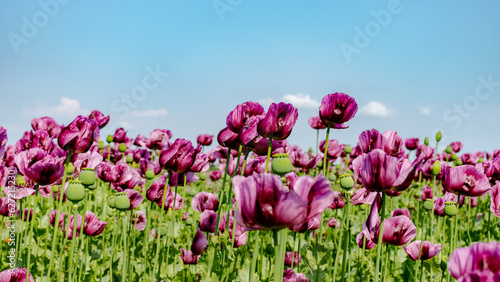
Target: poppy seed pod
[(75, 191), (162, 229), (332, 177), (429, 204), (281, 164), (70, 168), (411, 205), (347, 149), (450, 209), (122, 202), (87, 176), (109, 138), (111, 201), (448, 150), (149, 174), (100, 145), (122, 148), (129, 159), (346, 181)]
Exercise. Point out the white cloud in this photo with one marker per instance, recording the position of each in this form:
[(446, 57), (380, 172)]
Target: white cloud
[(376, 109), (67, 107), (301, 101), (424, 110), (149, 113)]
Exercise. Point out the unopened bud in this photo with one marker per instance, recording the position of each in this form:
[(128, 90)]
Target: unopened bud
[(436, 168), (438, 136)]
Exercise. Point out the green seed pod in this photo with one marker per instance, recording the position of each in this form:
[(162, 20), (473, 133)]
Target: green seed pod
[(281, 164), (189, 221), (87, 176), (75, 191), (347, 149), (429, 204), (450, 209), (149, 174), (448, 150), (454, 157), (426, 141), (162, 229), (111, 201), (459, 162), (109, 138), (129, 159), (346, 181), (417, 195), (438, 136), (122, 148), (332, 177), (436, 168), (70, 168), (269, 249), (202, 176), (122, 202), (100, 145), (192, 192), (411, 205)]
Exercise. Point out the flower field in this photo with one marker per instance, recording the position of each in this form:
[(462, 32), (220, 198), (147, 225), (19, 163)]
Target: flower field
[(79, 206)]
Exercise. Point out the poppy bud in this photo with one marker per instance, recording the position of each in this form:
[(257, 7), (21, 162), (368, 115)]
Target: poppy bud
[(122, 148), (454, 157), (436, 168), (332, 177), (192, 192), (87, 176), (429, 204), (55, 188), (189, 221), (438, 136), (109, 138), (448, 150), (162, 229), (75, 191), (70, 168), (100, 145), (459, 162), (426, 141), (149, 174), (129, 159), (281, 164), (122, 202), (450, 209), (111, 201), (202, 176), (111, 213), (347, 149), (443, 265), (346, 181)]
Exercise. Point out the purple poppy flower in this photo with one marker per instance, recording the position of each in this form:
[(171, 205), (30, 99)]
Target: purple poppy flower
[(333, 223), (337, 202), (145, 165), (87, 160), (48, 124), (188, 257), (35, 139), (465, 180), (237, 118), (180, 156), (228, 139), (240, 236), (290, 276), (411, 143), (278, 122), (495, 199), (363, 196), (139, 220), (200, 163), (427, 251), (370, 140), (159, 139), (99, 117), (479, 260), (312, 223), (208, 221), (79, 135), (53, 218), (336, 109), (204, 139), (215, 175), (456, 146), (177, 179), (200, 243), (93, 226), (393, 144), (3, 141), (334, 149), (120, 135), (135, 198), (368, 242), (205, 201), (427, 193), (140, 141), (295, 256), (398, 231), (404, 212), (316, 191), (140, 154), (39, 166), (264, 203), (316, 123), (15, 275)]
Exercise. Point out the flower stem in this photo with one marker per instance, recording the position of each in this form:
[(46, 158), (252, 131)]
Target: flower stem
[(124, 241), (267, 168), (456, 221), (30, 235), (221, 194), (325, 167), (73, 240), (348, 231), (279, 250), (380, 235), (254, 255)]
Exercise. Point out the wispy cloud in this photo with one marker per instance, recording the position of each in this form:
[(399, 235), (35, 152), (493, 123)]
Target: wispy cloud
[(424, 110), (376, 109), (67, 107), (300, 100), (149, 113)]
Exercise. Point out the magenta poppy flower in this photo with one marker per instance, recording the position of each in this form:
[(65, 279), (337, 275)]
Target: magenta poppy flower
[(7, 207), (312, 223), (139, 220), (456, 146), (479, 260), (120, 135), (3, 141), (465, 180), (404, 212), (427, 251), (362, 196), (411, 143), (35, 139), (337, 202), (370, 140), (159, 139), (398, 231), (177, 179), (237, 118), (205, 201), (145, 165), (188, 257), (79, 135), (367, 241), (48, 124), (15, 275), (200, 243), (208, 221), (180, 156), (200, 163), (135, 198), (99, 117), (264, 203), (278, 122), (92, 225), (290, 276), (204, 139), (427, 193), (333, 223), (316, 191), (495, 199), (336, 109), (87, 160), (52, 218), (334, 149), (39, 166), (295, 256), (140, 154), (215, 175), (240, 236), (140, 141), (393, 144), (155, 191), (228, 139), (316, 123)]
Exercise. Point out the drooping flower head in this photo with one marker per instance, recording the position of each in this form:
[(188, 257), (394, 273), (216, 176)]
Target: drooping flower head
[(336, 109), (204, 139), (278, 122), (411, 143), (79, 135), (316, 123)]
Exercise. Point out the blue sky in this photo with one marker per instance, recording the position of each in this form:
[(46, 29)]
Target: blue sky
[(413, 66)]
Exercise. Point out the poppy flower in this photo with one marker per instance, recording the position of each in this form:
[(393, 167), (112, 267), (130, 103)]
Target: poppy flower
[(465, 180), (79, 135), (278, 122), (336, 109), (427, 250)]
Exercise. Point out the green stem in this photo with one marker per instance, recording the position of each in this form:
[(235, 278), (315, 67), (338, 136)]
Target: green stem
[(317, 141), (380, 235), (346, 243), (73, 240), (58, 213), (325, 163), (221, 194), (456, 221), (124, 241), (254, 256), (30, 235), (267, 168), (115, 231), (279, 249)]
